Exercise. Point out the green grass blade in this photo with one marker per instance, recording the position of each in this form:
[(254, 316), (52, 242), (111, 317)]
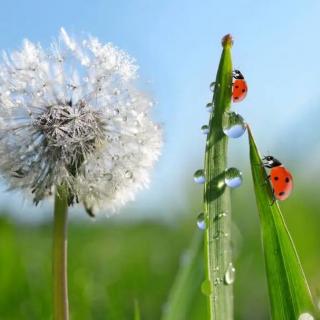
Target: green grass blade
[(218, 253), (289, 293), (186, 288), (137, 315)]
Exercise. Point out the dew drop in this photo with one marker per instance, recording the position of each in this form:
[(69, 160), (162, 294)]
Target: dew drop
[(128, 174), (210, 107), (206, 287), (212, 85), (199, 177), (217, 281), (233, 178), (221, 215), (305, 316), (115, 157), (39, 93), (201, 222), (108, 176), (230, 274), (233, 125), (205, 129)]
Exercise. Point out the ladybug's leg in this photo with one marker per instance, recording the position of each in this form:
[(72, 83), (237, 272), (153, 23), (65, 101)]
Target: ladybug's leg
[(273, 198), (266, 180)]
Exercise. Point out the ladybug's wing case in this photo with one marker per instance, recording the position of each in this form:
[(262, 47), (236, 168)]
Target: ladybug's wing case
[(282, 182), (240, 90)]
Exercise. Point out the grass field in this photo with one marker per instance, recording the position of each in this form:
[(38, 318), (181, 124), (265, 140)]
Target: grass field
[(112, 265)]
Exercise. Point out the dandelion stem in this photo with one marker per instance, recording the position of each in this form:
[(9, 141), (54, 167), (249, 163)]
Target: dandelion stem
[(218, 253), (60, 285)]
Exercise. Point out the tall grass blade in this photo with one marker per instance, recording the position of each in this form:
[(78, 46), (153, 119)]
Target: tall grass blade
[(289, 293), (137, 314), (218, 252), (186, 287)]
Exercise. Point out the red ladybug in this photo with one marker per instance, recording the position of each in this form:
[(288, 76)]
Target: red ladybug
[(280, 178), (240, 87)]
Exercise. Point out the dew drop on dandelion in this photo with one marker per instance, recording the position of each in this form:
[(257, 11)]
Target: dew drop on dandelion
[(212, 85), (229, 276), (108, 176), (205, 129), (233, 125), (128, 174), (199, 177), (305, 316), (201, 222), (233, 178)]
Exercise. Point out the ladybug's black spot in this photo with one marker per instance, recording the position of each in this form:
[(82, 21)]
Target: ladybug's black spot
[(243, 90), (237, 87), (276, 178), (281, 193), (287, 179), (236, 98)]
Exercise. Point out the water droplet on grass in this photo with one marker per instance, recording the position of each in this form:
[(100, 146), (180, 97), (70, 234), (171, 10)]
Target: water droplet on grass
[(233, 125), (221, 215), (210, 107), (229, 276), (199, 177), (213, 85), (205, 129), (233, 178), (305, 316), (217, 281), (201, 222)]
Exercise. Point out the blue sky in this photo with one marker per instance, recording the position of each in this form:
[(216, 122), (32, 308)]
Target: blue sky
[(177, 45)]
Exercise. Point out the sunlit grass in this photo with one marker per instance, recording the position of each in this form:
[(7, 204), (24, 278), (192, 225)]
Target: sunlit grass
[(111, 264)]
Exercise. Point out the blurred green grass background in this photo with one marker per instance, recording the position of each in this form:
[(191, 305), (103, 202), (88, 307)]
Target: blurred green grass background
[(112, 263)]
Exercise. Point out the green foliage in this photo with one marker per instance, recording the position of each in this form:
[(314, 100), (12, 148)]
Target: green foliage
[(186, 288), (112, 264), (288, 289)]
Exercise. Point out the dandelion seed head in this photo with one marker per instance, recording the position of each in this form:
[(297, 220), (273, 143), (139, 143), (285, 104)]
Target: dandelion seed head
[(72, 115)]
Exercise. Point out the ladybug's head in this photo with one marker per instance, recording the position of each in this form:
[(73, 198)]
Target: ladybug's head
[(237, 74), (271, 162)]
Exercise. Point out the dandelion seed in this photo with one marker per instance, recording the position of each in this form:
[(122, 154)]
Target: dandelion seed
[(69, 115)]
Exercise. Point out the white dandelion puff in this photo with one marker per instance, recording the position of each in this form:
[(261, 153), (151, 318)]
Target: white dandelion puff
[(72, 115)]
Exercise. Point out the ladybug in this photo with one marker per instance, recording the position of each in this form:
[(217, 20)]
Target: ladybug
[(240, 87), (280, 178)]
